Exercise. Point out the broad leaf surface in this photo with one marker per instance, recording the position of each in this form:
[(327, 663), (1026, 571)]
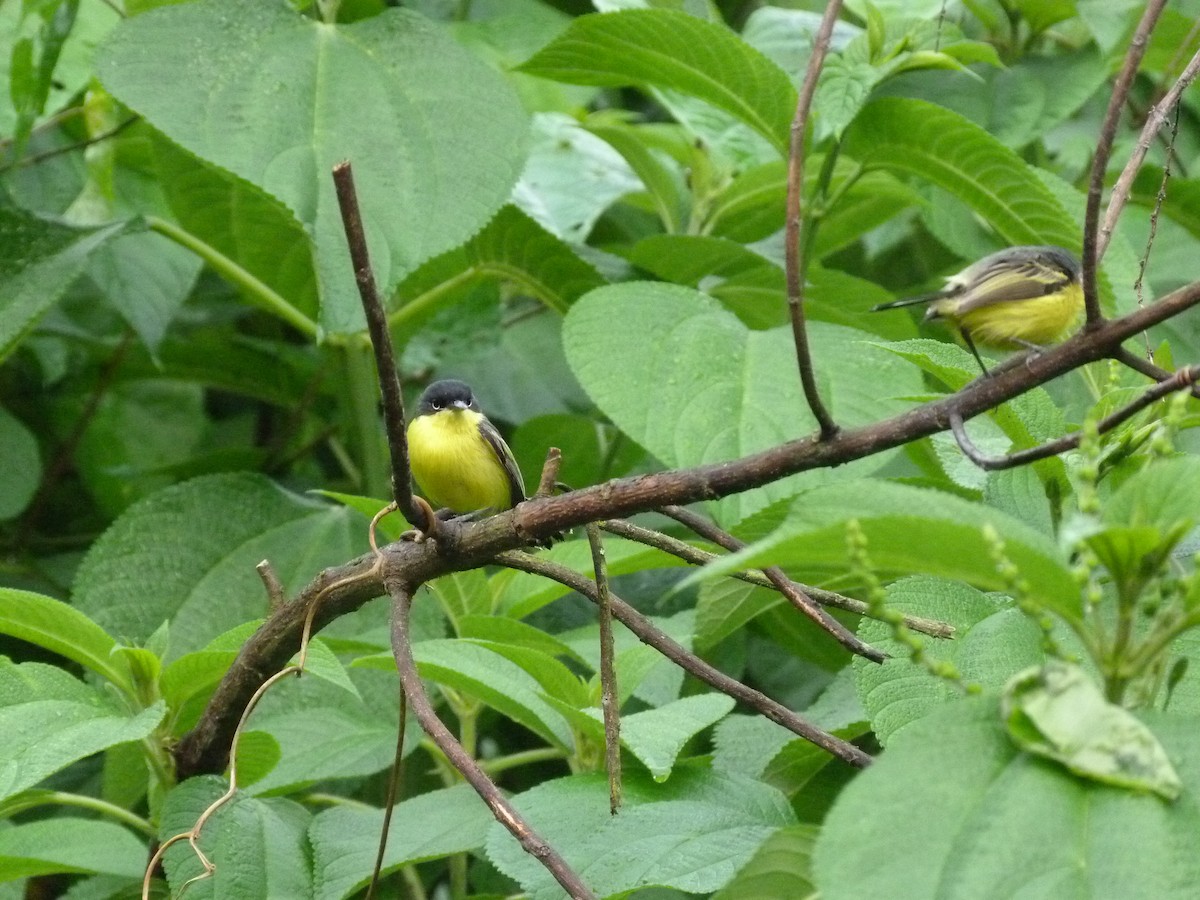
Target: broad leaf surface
[(700, 412), (155, 563), (50, 719), (671, 49), (691, 833), (278, 99), (68, 844), (1001, 823), (432, 825)]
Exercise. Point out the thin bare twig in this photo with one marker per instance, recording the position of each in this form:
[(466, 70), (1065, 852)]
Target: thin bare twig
[(507, 815), (780, 581), (686, 660), (1181, 380), (698, 557), (550, 468), (1108, 134), (794, 261), (1154, 121), (275, 594), (389, 803), (610, 704), (381, 342)]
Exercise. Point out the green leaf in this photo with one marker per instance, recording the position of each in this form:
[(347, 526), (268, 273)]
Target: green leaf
[(20, 478), (241, 221), (657, 736), (950, 540), (668, 49), (726, 605), (517, 594), (922, 139), (69, 845), (146, 278), (662, 176), (196, 674), (1007, 823), (1159, 495), (1057, 712), (259, 847), (434, 161), (705, 413), (992, 640), (513, 248), (571, 177), (485, 673), (49, 720), (463, 594), (39, 260), (62, 629), (429, 826), (155, 563), (323, 732), (690, 833), (779, 869)]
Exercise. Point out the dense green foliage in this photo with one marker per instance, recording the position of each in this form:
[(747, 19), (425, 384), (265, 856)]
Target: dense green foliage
[(581, 214)]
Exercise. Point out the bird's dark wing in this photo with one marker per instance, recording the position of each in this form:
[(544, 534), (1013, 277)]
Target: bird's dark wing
[(516, 485), (1005, 281)]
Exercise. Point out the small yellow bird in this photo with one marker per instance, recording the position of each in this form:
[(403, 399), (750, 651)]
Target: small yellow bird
[(1019, 297), (459, 459)]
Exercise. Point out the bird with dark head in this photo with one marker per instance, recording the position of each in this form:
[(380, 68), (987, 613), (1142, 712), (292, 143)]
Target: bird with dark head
[(1019, 297), (459, 460)]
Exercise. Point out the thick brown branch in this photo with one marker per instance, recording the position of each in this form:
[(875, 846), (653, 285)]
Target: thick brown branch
[(689, 662), (794, 261), (1108, 134), (505, 813), (381, 341), (344, 589)]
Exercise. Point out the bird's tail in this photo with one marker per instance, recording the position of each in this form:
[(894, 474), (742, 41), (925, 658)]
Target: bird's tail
[(910, 301)]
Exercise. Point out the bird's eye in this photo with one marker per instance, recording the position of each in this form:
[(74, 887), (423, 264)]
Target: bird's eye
[(435, 404)]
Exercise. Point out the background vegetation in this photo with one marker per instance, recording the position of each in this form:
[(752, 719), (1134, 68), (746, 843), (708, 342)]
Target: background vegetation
[(581, 214)]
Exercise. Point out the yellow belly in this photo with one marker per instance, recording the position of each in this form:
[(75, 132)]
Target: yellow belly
[(454, 466), (1038, 320)]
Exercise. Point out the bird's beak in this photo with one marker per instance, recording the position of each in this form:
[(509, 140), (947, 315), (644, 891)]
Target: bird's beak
[(459, 404)]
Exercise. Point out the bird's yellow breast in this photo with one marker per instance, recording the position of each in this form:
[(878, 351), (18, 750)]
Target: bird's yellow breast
[(453, 465), (1038, 320)]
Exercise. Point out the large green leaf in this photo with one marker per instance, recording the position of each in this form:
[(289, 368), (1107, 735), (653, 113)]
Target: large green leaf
[(19, 480), (944, 148), (259, 846), (69, 844), (779, 870), (909, 530), (38, 261), (241, 221), (50, 719), (276, 98), (691, 833), (899, 692), (64, 630), (670, 49), (1001, 823), (690, 383), (432, 825), (187, 554)]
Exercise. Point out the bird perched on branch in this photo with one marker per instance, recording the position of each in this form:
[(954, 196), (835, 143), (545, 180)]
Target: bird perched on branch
[(1019, 297), (459, 459)]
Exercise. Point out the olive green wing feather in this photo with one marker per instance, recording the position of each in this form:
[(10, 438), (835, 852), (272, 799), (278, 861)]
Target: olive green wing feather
[(1005, 281), (516, 485)]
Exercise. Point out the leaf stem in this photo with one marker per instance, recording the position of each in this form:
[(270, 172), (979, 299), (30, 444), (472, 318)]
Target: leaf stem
[(35, 798), (266, 297)]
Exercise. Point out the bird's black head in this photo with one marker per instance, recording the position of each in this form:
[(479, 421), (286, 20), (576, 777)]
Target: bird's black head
[(448, 394)]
